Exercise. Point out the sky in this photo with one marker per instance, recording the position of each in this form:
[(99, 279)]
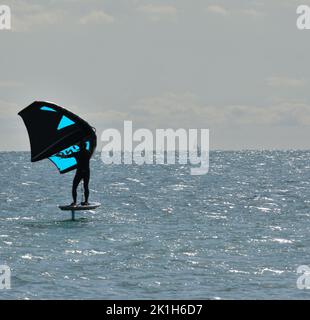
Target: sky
[(239, 68)]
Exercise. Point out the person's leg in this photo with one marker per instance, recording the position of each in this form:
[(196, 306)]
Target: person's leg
[(86, 187), (75, 184)]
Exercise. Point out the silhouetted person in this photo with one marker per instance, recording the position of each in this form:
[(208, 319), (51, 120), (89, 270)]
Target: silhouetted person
[(82, 172)]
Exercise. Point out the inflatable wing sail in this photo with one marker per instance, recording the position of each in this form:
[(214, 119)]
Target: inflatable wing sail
[(53, 129)]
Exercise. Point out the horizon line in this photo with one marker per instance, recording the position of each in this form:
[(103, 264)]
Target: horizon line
[(211, 150)]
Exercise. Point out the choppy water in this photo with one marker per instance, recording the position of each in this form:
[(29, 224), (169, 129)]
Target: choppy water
[(239, 232)]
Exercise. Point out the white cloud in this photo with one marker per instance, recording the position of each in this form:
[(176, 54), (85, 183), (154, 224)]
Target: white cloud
[(158, 12), (278, 81), (97, 17), (29, 16), (250, 12), (185, 110), (224, 11), (35, 17), (217, 9)]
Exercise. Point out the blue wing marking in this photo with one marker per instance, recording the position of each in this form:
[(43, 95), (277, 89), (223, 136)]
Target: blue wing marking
[(65, 122), (47, 109)]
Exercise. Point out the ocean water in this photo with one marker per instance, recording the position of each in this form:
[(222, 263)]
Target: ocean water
[(239, 232)]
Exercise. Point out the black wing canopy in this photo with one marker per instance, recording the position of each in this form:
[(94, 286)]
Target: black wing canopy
[(53, 129)]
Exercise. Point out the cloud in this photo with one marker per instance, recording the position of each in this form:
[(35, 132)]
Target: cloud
[(223, 11), (106, 117), (250, 12), (158, 12), (10, 84), (216, 9), (278, 81), (97, 17), (30, 16), (8, 110), (185, 110), (34, 16)]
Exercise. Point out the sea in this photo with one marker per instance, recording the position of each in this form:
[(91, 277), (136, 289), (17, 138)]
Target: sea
[(239, 232)]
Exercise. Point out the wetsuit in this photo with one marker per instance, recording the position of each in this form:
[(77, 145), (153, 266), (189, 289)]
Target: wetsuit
[(82, 173)]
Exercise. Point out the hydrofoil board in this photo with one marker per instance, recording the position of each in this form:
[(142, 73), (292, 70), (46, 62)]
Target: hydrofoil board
[(90, 206)]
